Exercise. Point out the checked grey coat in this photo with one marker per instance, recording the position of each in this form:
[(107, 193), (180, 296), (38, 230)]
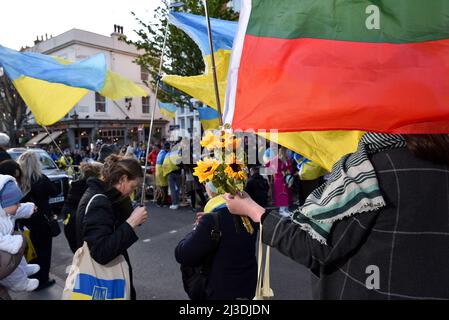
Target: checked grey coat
[(398, 252)]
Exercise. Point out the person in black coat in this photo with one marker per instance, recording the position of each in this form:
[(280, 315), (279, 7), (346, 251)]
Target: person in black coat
[(38, 189), (108, 225), (76, 192), (396, 252), (233, 274), (257, 187)]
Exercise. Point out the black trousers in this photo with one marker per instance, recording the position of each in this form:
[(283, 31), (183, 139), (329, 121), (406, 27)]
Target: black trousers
[(200, 193), (42, 241)]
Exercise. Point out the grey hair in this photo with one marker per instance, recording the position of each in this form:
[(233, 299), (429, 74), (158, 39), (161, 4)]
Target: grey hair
[(31, 169)]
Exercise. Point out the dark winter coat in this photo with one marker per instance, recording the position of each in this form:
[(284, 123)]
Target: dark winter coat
[(4, 155), (257, 187), (38, 223), (41, 192), (76, 192), (234, 268), (104, 227), (398, 252)]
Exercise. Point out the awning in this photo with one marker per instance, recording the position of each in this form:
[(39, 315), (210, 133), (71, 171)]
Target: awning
[(34, 141), (49, 138)]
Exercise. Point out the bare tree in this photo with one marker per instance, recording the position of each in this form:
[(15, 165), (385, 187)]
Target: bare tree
[(13, 110)]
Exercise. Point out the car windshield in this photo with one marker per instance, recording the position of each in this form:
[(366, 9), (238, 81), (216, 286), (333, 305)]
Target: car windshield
[(46, 162)]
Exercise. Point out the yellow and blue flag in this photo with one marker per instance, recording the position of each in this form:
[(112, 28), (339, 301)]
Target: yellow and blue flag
[(89, 287), (209, 118), (161, 179), (51, 86), (201, 87), (167, 109)]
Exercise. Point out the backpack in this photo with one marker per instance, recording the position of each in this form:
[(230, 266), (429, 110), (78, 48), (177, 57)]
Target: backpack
[(194, 279)]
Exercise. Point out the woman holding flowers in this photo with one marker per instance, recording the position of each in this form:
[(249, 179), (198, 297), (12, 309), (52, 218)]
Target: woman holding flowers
[(378, 228), (233, 273)]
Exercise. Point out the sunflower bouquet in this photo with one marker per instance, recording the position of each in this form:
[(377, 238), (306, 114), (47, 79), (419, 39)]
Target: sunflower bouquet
[(223, 167)]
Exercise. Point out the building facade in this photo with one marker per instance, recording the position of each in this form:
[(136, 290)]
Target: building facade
[(124, 122), (187, 124)]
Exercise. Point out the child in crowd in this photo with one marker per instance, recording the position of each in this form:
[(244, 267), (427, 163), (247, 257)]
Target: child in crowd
[(10, 210)]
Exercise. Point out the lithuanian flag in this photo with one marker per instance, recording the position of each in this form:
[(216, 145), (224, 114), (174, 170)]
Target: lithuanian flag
[(312, 65)]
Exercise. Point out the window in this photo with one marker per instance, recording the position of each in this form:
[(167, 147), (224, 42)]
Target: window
[(144, 74), (100, 103), (182, 124), (145, 104)]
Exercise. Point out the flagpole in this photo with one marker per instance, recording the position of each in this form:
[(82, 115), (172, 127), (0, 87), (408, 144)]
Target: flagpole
[(214, 72), (59, 149), (142, 199)]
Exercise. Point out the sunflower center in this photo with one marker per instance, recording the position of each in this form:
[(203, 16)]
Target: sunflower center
[(235, 167), (208, 169)]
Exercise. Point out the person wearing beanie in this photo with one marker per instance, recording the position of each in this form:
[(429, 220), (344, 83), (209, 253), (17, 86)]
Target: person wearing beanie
[(10, 210)]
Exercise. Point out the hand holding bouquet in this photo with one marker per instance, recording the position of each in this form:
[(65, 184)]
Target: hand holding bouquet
[(223, 167)]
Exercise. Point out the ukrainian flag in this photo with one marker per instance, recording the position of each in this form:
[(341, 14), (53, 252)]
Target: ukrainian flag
[(324, 148), (89, 287), (202, 87), (161, 180), (209, 118), (51, 86), (167, 109)]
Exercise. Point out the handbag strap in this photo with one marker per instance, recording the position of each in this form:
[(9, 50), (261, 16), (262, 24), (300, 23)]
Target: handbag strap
[(91, 199), (215, 235), (258, 295)]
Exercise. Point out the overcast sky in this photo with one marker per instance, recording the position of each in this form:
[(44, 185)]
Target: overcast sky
[(22, 20)]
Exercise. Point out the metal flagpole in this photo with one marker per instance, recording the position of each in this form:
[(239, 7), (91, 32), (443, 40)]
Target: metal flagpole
[(214, 72), (59, 149), (142, 199)]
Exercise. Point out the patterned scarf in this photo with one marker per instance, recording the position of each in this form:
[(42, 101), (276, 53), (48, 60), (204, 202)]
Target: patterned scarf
[(351, 188)]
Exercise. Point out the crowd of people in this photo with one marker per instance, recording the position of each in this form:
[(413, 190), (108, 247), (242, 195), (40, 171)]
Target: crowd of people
[(384, 205)]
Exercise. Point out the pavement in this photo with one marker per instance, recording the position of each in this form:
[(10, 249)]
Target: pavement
[(155, 271)]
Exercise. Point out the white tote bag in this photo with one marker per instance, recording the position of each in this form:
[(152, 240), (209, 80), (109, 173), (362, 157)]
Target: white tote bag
[(89, 280)]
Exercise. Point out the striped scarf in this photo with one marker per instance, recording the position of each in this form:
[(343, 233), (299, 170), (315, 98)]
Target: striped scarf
[(351, 188)]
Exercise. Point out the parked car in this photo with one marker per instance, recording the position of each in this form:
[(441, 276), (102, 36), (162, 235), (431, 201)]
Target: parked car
[(50, 169)]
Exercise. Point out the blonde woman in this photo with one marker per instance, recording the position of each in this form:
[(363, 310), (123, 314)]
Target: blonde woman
[(38, 188)]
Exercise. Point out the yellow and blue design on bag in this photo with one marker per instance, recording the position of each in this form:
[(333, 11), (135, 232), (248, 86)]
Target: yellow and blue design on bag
[(88, 287)]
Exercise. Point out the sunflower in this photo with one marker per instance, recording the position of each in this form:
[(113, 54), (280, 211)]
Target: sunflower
[(233, 169), (230, 141), (211, 141), (205, 169)]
